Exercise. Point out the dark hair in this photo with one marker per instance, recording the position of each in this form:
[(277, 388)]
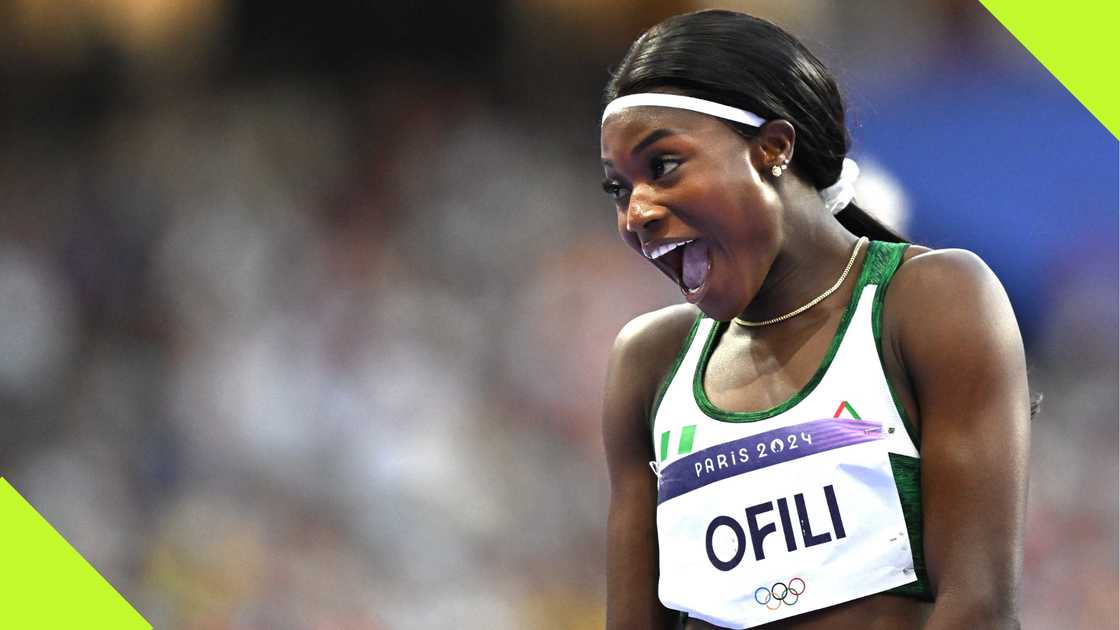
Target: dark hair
[(739, 60)]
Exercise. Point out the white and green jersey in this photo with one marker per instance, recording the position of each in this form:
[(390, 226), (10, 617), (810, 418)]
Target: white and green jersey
[(769, 514)]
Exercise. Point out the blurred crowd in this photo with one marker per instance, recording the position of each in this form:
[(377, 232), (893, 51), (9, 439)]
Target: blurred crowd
[(292, 347)]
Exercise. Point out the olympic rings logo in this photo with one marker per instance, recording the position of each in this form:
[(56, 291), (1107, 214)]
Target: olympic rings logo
[(780, 593)]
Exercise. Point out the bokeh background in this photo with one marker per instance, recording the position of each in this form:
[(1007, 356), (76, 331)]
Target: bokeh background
[(304, 311)]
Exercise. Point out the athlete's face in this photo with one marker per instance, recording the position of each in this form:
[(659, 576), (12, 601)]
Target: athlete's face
[(684, 179)]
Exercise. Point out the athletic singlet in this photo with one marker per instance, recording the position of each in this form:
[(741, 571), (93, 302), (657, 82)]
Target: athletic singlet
[(765, 515)]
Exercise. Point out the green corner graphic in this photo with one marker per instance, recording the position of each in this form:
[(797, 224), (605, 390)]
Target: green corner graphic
[(45, 583), (1076, 42)]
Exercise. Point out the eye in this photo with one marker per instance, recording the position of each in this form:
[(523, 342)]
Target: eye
[(614, 190), (661, 165)]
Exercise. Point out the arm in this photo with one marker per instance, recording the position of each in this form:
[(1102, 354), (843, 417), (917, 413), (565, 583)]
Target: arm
[(961, 346), (642, 352)]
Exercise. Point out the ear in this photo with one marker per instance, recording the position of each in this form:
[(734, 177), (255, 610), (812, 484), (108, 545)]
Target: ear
[(776, 141)]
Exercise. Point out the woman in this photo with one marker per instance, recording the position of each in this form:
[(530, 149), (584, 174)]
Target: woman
[(833, 431)]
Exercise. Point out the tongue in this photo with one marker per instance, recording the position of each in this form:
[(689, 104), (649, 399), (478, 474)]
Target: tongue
[(695, 265)]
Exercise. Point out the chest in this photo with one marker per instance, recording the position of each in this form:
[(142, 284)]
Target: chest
[(749, 372), (744, 373)]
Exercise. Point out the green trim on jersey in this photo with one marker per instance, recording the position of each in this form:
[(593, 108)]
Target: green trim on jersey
[(908, 479), (664, 387), (887, 266), (907, 470), (716, 413)]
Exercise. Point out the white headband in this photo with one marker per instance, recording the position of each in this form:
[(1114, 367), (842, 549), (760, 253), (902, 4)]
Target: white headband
[(676, 101), (836, 197)]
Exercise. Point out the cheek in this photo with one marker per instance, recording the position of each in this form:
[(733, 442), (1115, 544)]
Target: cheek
[(758, 207)]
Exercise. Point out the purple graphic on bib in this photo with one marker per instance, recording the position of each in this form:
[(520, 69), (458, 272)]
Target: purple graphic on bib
[(761, 450)]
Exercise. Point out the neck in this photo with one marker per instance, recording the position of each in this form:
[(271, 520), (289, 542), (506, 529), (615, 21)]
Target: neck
[(805, 267)]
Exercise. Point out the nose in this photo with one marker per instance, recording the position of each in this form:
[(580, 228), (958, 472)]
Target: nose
[(643, 216)]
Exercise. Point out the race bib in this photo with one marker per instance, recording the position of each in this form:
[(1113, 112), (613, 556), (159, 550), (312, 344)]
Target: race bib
[(780, 523)]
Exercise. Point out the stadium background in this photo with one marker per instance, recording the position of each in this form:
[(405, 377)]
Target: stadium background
[(304, 311)]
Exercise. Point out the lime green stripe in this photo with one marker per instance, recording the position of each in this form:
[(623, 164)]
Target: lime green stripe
[(1076, 42), (664, 445), (687, 434), (45, 583)]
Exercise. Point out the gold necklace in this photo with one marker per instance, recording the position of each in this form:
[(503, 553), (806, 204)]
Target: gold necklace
[(814, 301)]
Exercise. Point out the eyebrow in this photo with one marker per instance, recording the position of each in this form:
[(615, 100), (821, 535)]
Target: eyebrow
[(653, 136)]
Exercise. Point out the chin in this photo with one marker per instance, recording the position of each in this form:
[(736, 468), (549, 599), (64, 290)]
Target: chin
[(720, 317), (725, 306), (719, 310)]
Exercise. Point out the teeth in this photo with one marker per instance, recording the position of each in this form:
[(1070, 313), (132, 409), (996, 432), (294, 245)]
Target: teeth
[(661, 250)]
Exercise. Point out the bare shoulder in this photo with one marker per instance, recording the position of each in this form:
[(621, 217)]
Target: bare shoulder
[(927, 267), (655, 335), (934, 288), (950, 316), (642, 355)]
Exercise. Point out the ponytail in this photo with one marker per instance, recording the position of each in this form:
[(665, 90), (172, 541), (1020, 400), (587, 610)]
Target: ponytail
[(859, 222)]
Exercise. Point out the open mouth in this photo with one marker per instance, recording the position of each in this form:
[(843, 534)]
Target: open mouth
[(687, 263)]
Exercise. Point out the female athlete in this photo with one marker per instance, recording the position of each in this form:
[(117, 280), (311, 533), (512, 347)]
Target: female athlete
[(833, 431)]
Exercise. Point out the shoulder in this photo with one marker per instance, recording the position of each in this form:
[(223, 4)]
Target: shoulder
[(948, 313), (642, 356), (927, 269), (935, 289), (645, 350), (652, 335)]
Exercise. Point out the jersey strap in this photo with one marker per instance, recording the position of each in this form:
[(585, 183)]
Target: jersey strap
[(882, 262)]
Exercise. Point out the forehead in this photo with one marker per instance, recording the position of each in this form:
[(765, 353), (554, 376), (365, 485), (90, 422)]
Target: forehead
[(624, 129)]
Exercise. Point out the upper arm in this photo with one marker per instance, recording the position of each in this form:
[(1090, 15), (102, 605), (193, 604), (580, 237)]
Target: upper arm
[(641, 354), (964, 356)]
